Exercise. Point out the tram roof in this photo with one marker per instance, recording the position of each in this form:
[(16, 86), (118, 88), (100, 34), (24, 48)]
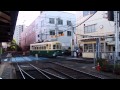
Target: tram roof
[(45, 43)]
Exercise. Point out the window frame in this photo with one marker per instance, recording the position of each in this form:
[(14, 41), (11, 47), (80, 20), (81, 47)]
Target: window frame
[(53, 32), (90, 29), (59, 21), (69, 34), (88, 48), (69, 24), (52, 20), (54, 45)]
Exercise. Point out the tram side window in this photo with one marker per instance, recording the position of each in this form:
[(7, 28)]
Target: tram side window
[(34, 48), (57, 46), (54, 46), (60, 46), (37, 48), (44, 47), (40, 47)]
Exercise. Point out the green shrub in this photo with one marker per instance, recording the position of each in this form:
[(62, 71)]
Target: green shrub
[(117, 69), (102, 62), (106, 67)]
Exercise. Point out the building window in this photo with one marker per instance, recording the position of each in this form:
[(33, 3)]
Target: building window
[(38, 35), (90, 28), (51, 20), (69, 23), (52, 32), (92, 12), (60, 32), (88, 48), (68, 33), (59, 21), (85, 13)]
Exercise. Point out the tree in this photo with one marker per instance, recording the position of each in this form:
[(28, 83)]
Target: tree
[(14, 46)]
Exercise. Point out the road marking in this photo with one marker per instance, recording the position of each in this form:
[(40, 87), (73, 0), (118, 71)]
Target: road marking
[(93, 67), (84, 67), (5, 59)]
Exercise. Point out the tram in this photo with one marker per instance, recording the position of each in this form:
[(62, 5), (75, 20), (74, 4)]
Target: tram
[(46, 49)]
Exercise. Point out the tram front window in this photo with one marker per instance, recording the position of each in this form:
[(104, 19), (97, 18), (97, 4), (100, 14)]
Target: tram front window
[(54, 46)]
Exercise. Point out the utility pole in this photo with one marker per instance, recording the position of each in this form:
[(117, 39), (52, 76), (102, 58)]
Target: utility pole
[(56, 29), (72, 41), (116, 20), (0, 51)]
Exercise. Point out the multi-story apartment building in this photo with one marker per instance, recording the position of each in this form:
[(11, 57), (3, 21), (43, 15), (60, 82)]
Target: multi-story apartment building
[(28, 36), (18, 30), (51, 25), (97, 26)]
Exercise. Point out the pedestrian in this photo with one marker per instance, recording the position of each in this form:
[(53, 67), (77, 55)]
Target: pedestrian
[(77, 52), (9, 56), (0, 59)]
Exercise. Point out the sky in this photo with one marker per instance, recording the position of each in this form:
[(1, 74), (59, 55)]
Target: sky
[(27, 17)]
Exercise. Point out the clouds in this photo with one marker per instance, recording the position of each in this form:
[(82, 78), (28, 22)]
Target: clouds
[(27, 17)]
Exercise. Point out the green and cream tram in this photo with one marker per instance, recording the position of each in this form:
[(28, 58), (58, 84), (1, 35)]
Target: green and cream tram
[(48, 49)]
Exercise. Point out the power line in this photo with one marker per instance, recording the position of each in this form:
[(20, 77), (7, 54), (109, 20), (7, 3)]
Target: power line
[(72, 27)]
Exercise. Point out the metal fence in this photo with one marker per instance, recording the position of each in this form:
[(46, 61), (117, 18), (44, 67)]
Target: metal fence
[(110, 56)]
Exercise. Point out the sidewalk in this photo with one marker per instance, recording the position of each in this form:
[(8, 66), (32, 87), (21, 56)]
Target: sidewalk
[(6, 69), (2, 66), (76, 58)]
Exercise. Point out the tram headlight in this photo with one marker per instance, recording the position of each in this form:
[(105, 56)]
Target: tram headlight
[(54, 54)]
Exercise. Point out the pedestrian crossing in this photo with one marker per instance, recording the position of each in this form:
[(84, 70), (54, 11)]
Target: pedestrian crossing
[(23, 59)]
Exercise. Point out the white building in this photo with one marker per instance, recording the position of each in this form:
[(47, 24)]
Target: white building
[(50, 24), (97, 25), (18, 30)]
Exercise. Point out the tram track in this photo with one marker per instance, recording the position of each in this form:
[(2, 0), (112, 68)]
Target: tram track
[(36, 73), (55, 70), (76, 74)]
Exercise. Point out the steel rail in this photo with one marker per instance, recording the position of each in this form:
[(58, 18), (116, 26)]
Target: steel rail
[(77, 70)]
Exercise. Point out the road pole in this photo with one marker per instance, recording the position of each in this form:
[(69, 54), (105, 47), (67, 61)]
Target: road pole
[(116, 20), (0, 51), (72, 42), (56, 29)]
